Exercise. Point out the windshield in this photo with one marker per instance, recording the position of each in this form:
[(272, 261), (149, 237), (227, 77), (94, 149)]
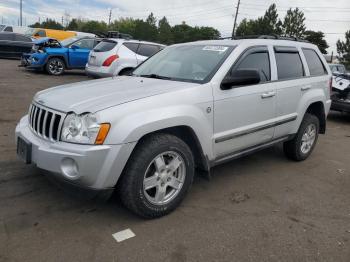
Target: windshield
[(69, 41), (189, 63), (2, 27), (29, 31)]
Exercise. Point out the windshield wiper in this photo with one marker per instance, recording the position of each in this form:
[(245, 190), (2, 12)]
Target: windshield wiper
[(156, 76)]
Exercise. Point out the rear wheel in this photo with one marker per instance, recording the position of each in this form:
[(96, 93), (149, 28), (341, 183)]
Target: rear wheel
[(302, 145), (55, 66), (157, 176)]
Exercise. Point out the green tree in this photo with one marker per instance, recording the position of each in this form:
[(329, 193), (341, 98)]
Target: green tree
[(271, 21), (48, 24), (73, 25), (94, 27), (269, 24), (317, 38), (293, 24), (164, 31), (343, 49)]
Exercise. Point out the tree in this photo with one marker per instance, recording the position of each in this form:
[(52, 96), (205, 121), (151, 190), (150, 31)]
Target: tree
[(293, 24), (73, 25), (48, 24), (164, 31), (317, 38), (94, 27), (343, 49), (271, 21), (269, 24)]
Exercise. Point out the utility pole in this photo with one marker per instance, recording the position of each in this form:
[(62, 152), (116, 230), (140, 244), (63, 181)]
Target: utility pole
[(62, 20), (234, 24), (110, 17), (20, 13)]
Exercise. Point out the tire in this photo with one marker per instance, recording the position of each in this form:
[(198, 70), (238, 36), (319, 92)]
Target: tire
[(302, 145), (55, 66), (142, 171)]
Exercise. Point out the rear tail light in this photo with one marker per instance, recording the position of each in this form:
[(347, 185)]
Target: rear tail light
[(110, 60), (330, 84)]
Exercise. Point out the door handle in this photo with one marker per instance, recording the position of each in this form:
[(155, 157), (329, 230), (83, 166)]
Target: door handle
[(268, 94), (304, 88)]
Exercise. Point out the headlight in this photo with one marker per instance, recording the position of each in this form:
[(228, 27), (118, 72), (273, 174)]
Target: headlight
[(84, 129)]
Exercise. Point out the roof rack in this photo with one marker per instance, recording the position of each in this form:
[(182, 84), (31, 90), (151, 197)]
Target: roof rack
[(275, 37)]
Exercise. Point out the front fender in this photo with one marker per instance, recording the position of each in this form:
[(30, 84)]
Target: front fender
[(131, 121)]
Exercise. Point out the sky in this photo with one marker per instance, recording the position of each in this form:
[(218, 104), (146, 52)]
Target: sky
[(331, 17)]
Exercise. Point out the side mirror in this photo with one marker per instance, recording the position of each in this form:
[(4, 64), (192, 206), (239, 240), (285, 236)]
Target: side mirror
[(74, 47), (241, 78)]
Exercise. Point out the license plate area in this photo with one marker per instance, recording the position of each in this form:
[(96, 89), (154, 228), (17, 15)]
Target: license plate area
[(24, 150)]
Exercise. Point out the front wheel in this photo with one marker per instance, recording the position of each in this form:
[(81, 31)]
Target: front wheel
[(55, 66), (157, 176), (302, 145)]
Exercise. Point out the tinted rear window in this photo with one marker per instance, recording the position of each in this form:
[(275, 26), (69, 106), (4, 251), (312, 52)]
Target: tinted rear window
[(148, 50), (289, 65), (314, 62), (132, 46), (105, 46)]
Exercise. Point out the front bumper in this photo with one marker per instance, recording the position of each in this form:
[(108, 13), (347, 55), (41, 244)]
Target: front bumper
[(92, 167), (33, 60), (340, 105)]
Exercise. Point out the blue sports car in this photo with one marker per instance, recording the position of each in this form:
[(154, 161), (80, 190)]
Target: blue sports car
[(55, 57)]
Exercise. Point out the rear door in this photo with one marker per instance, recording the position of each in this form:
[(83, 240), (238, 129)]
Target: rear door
[(291, 79), (145, 51), (79, 52)]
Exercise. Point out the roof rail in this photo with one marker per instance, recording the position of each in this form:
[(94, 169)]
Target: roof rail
[(275, 37)]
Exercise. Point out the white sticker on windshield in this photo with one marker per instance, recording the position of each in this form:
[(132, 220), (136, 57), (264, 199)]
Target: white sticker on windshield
[(217, 48)]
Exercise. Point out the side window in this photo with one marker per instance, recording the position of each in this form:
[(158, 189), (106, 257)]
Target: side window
[(40, 33), (147, 50), (132, 46), (259, 61), (85, 43), (8, 29), (289, 63), (314, 62)]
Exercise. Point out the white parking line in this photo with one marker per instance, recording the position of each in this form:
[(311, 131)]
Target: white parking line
[(123, 235)]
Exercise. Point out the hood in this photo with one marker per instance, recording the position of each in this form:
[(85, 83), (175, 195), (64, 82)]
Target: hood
[(95, 95), (47, 42)]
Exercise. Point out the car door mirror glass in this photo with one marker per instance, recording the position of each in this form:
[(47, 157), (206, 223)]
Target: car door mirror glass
[(240, 77)]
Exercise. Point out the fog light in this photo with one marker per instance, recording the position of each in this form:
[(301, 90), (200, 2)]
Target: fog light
[(70, 168)]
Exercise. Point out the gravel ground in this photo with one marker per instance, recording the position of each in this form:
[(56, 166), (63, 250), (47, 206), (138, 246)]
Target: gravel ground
[(258, 208)]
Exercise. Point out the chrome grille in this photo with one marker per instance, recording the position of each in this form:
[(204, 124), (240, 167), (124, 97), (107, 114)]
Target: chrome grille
[(45, 122)]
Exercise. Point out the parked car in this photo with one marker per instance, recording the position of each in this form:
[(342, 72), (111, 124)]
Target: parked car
[(24, 30), (13, 45), (51, 33), (192, 105), (337, 69), (55, 57), (341, 92), (118, 56)]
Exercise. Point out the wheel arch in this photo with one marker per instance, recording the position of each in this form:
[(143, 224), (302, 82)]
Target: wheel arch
[(317, 109)]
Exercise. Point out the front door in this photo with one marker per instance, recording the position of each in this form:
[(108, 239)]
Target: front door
[(79, 52), (244, 115)]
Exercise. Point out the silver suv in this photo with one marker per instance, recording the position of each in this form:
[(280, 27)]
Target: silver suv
[(189, 107), (114, 57)]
